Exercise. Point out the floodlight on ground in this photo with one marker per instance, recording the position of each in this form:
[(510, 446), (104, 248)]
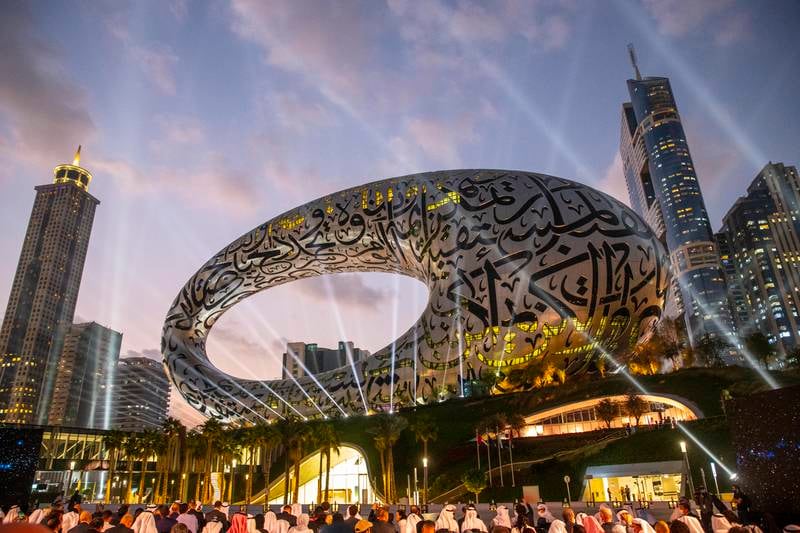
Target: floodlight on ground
[(683, 446)]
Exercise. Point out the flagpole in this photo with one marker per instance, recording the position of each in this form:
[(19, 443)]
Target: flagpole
[(478, 448), (499, 455), (511, 456), (489, 458)]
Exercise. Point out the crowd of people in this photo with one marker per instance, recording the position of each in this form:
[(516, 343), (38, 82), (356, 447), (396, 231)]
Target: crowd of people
[(710, 516)]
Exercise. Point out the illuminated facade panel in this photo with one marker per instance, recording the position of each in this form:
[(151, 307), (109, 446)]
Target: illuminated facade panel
[(141, 394), (521, 268), (43, 295), (663, 188)]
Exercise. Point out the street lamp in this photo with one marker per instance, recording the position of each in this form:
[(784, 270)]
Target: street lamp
[(566, 482), (172, 488), (688, 468), (425, 480), (233, 479)]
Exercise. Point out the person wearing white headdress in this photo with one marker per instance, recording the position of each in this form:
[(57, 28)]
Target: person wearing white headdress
[(145, 523), (447, 519), (720, 524), (297, 509), (557, 526), (472, 522), (2, 515), (640, 525), (270, 522), (213, 526), (36, 516), (12, 515), (414, 517), (791, 528), (502, 518), (70, 519), (618, 528), (590, 523), (692, 523), (302, 524)]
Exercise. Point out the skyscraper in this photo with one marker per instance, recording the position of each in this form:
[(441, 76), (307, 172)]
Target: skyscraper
[(664, 190), (83, 386), (44, 292), (141, 394), (763, 232)]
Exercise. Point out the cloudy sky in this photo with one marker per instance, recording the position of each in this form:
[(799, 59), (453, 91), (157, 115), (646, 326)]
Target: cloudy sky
[(201, 119)]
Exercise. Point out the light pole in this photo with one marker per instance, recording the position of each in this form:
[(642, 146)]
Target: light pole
[(247, 489), (688, 469), (714, 475), (172, 489), (182, 488), (233, 478), (425, 480), (569, 496), (69, 478)]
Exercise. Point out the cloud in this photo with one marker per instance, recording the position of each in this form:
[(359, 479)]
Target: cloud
[(158, 64), (613, 181), (677, 18), (180, 130), (300, 115), (348, 290), (43, 112)]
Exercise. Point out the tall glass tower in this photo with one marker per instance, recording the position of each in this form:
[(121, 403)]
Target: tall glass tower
[(43, 296), (663, 189)]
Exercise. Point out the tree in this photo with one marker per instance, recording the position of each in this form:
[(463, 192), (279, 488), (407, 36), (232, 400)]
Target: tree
[(636, 406), (329, 441), (475, 481), (211, 432), (266, 437), (606, 411), (425, 430), (387, 430), (759, 347), (710, 350), (196, 448), (131, 447), (113, 442)]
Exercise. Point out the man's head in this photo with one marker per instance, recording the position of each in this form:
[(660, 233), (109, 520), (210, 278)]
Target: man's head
[(287, 509), (123, 509), (676, 526), (362, 526), (415, 509), (605, 515), (126, 520), (174, 508), (325, 506), (183, 508), (163, 510), (569, 515), (382, 515), (337, 517), (684, 508), (77, 508), (107, 516), (85, 517), (352, 510), (179, 528), (428, 527), (218, 504)]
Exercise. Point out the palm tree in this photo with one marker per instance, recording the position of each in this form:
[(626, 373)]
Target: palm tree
[(150, 443), (131, 447), (329, 440), (425, 430), (301, 437), (759, 347), (211, 431), (174, 436), (293, 435), (266, 437), (112, 442), (196, 447), (387, 431)]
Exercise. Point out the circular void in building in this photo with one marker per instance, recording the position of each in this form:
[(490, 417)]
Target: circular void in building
[(522, 269)]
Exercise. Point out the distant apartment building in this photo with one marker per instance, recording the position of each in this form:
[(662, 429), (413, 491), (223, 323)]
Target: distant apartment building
[(141, 394), (83, 387), (762, 230), (301, 359)]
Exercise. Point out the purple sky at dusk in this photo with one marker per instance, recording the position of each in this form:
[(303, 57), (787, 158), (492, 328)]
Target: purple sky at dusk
[(201, 119)]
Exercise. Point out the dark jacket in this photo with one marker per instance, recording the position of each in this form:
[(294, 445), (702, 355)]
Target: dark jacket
[(201, 519), (164, 523), (379, 526), (119, 529), (82, 527), (215, 515), (574, 528), (350, 522), (339, 527), (288, 517)]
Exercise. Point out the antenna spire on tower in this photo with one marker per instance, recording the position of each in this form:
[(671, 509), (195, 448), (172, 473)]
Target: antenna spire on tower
[(634, 62), (77, 159)]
